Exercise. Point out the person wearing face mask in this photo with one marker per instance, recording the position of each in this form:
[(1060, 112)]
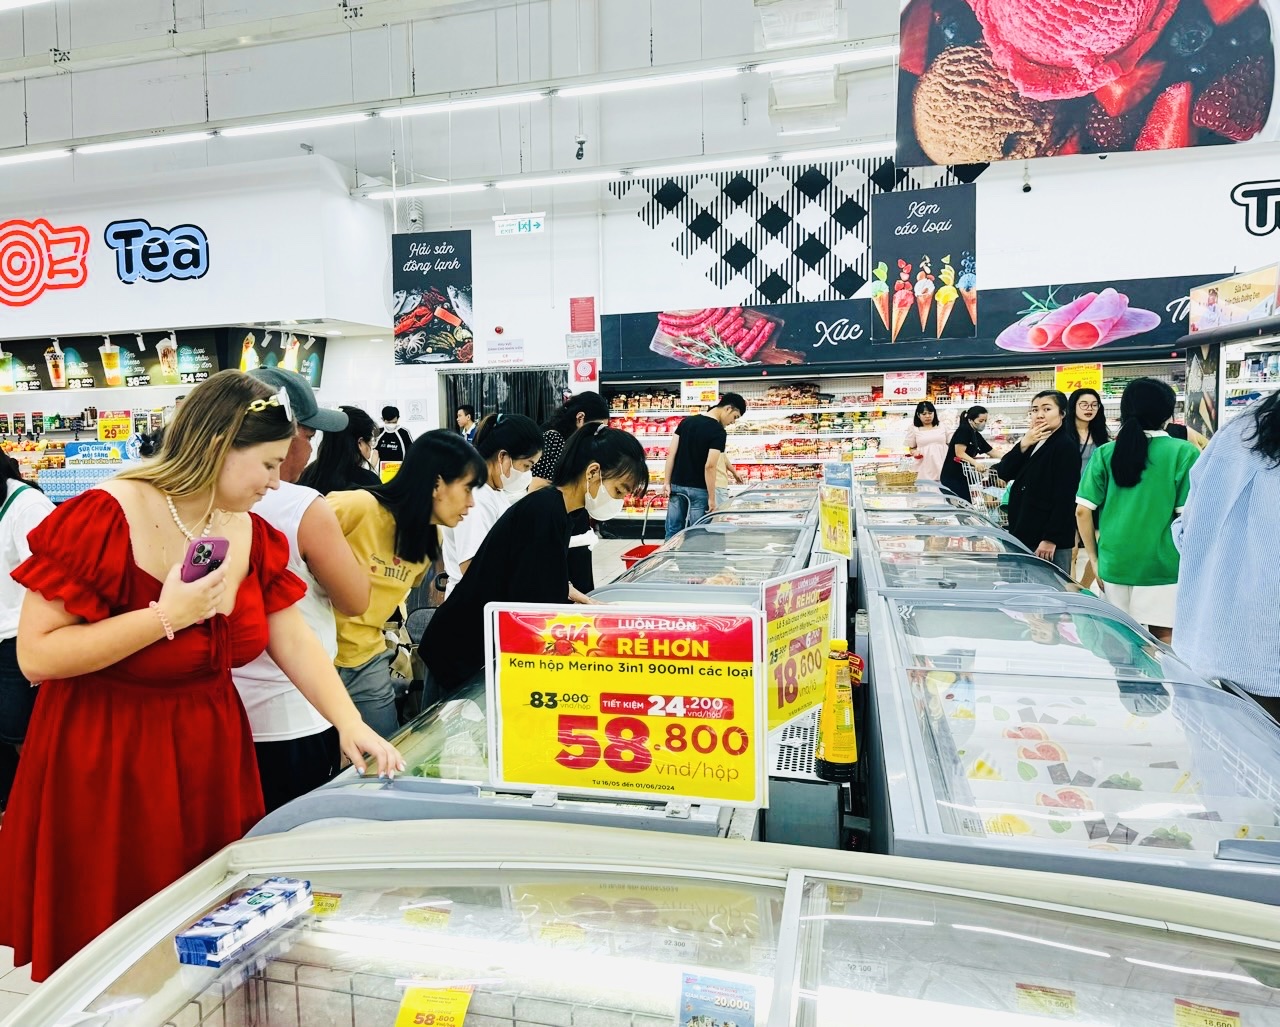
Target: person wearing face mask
[(966, 445), (1044, 468), (510, 444), (525, 557)]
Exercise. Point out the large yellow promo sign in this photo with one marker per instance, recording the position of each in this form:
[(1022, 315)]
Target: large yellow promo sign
[(629, 703), (797, 620)]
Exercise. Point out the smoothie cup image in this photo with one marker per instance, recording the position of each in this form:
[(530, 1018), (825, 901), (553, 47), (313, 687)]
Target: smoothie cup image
[(6, 372), (110, 354), (56, 363), (167, 351), (291, 348)]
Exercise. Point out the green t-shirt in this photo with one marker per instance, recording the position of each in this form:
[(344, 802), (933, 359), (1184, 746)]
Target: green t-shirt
[(1135, 542)]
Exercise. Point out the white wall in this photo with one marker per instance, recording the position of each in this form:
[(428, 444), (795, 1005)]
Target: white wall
[(359, 372)]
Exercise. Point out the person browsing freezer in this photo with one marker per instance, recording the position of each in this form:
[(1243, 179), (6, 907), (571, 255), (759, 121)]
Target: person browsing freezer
[(693, 461)]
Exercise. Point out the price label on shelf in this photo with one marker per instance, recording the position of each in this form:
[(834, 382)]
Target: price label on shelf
[(1044, 1001), (325, 903), (628, 702), (114, 425), (905, 386), (835, 514), (434, 1007), (1193, 1014), (797, 628), (699, 392), (1069, 377)]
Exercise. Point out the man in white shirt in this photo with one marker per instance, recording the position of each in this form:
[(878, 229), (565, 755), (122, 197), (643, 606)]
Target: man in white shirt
[(297, 748)]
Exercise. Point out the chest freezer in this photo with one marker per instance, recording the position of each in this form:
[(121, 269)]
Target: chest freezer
[(798, 500), (793, 542), (692, 568), (924, 519), (911, 500), (551, 926)]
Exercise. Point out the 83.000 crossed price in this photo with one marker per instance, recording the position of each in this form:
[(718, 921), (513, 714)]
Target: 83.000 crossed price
[(626, 749)]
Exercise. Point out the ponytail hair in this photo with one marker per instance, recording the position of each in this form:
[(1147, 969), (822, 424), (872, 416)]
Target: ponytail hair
[(974, 412), (514, 434), (1147, 405)]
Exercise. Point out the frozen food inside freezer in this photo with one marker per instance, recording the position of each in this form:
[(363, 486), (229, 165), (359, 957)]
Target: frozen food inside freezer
[(770, 540), (912, 500), (798, 499), (971, 571), (707, 569), (924, 519)]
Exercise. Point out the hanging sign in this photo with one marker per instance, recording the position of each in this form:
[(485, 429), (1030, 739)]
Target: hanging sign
[(114, 425), (520, 224), (797, 624), (699, 392), (1069, 377), (629, 703), (835, 515), (906, 386)]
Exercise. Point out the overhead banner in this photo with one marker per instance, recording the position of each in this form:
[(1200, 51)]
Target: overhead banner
[(925, 283), (431, 298), (1034, 324), (108, 361), (1234, 300), (993, 80), (250, 348), (629, 702), (798, 619)]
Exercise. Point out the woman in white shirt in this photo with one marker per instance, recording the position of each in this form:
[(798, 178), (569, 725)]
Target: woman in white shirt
[(511, 444), (22, 507)]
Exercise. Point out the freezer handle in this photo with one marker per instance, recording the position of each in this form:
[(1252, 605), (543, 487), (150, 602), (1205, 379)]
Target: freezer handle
[(1249, 851)]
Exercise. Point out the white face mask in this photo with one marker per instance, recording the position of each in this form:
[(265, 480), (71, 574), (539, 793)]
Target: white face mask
[(516, 482), (602, 506)]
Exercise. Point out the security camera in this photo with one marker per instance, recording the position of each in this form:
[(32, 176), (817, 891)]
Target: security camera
[(415, 217), (582, 147), (1026, 187)]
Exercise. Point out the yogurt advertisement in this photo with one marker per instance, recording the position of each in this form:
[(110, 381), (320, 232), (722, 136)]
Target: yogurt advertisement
[(990, 80)]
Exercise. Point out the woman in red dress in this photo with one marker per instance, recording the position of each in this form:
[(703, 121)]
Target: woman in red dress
[(139, 761)]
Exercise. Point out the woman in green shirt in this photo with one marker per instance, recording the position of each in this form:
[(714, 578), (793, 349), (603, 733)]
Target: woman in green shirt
[(1137, 485)]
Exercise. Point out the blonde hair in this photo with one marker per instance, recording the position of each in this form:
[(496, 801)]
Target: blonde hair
[(213, 420)]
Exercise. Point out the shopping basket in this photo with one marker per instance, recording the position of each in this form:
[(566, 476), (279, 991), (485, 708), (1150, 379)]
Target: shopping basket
[(637, 553), (981, 496)]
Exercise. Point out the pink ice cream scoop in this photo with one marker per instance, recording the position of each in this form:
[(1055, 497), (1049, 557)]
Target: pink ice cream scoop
[(1056, 49)]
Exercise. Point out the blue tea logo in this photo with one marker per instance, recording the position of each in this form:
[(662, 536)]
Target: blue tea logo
[(158, 254)]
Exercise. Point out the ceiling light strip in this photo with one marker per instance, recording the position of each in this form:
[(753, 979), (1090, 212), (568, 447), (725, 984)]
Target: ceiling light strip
[(144, 143), (271, 127), (634, 83), (472, 104), (33, 158)]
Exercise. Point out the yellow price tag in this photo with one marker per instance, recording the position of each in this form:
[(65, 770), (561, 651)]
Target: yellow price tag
[(1069, 377), (797, 619), (1037, 998), (562, 934), (834, 520), (433, 1007), (428, 916), (631, 703), (1192, 1014), (325, 903), (114, 425)]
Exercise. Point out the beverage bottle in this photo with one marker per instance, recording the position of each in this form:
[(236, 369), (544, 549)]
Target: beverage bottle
[(835, 754)]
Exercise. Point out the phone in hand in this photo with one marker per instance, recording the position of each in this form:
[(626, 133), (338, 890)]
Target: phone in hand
[(204, 556)]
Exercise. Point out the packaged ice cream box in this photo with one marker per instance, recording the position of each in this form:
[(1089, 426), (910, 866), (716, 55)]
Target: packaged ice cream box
[(1047, 767), (1127, 805), (1105, 729)]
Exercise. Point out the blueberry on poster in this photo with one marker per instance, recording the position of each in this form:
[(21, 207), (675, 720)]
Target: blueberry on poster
[(431, 300), (989, 80)]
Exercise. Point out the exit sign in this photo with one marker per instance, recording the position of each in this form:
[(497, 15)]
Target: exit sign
[(520, 224)]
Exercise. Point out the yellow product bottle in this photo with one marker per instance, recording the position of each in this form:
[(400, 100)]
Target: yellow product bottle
[(835, 754)]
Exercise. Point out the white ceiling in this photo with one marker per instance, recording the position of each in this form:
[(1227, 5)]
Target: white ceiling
[(428, 47)]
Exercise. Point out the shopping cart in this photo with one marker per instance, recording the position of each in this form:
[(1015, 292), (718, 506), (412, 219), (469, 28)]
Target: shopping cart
[(986, 493), (637, 553)]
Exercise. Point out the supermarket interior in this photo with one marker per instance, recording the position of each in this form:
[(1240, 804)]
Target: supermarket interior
[(910, 374)]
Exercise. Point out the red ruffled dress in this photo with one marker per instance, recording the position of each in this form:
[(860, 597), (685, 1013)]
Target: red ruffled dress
[(133, 775)]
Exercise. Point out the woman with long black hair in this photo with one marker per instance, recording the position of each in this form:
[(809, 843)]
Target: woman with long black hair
[(966, 446), (927, 440), (1137, 486), (342, 458), (1226, 627), (1089, 419)]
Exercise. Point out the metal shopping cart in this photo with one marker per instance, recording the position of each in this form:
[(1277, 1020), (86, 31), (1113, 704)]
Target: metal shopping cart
[(986, 493)]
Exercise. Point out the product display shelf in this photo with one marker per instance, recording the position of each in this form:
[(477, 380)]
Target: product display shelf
[(561, 926), (1250, 373), (1018, 721)]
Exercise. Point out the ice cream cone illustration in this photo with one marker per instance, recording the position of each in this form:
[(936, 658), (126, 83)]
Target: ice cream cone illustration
[(968, 284), (924, 291), (946, 296), (902, 302), (880, 291)]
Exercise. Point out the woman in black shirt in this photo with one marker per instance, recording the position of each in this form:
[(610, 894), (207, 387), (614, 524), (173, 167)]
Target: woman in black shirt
[(342, 458), (525, 557), (966, 445)]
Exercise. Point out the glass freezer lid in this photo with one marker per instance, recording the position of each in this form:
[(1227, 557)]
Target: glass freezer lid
[(914, 501), (770, 540), (944, 541), (877, 955), (776, 499), (1028, 634), (706, 569), (1150, 768), (755, 517), (924, 519), (969, 571)]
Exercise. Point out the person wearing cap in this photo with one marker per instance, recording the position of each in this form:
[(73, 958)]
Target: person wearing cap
[(297, 749)]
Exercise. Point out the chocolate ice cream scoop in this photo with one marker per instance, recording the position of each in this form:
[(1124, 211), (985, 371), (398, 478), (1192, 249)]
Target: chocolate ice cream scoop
[(968, 112)]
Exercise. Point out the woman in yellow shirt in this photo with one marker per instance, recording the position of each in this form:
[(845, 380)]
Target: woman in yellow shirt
[(392, 529)]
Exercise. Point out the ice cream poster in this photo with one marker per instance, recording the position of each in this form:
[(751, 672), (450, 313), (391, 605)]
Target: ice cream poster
[(990, 80), (292, 350), (924, 281), (431, 298)]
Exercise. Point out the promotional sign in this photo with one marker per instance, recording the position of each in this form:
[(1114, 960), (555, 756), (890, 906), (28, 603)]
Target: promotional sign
[(114, 425), (434, 1007), (798, 611), (925, 276), (1244, 297), (250, 348), (1001, 80), (431, 301), (835, 509), (582, 314), (699, 392), (583, 351), (1069, 377), (108, 361), (906, 386), (628, 702), (709, 1002), (1033, 324)]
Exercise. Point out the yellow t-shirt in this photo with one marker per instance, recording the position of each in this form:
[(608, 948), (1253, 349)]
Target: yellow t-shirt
[(371, 532)]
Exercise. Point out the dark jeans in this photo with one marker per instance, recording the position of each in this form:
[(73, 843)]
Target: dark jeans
[(296, 766), (685, 506)]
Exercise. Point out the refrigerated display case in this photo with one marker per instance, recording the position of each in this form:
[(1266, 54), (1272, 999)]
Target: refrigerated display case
[(792, 541), (925, 518), (551, 926), (693, 568), (758, 498), (910, 499)]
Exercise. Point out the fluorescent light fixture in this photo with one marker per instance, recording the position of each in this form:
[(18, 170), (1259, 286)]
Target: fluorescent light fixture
[(850, 918), (13, 5), (568, 178), (697, 167), (884, 147), (290, 126), (626, 85), (819, 62), (449, 106), (410, 191), (33, 158), (377, 340), (144, 143), (333, 331), (1030, 940)]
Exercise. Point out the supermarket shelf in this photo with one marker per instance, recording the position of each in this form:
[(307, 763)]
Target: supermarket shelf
[(861, 409), (1250, 386), (798, 432)]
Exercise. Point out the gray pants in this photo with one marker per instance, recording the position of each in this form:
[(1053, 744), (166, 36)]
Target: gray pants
[(370, 688)]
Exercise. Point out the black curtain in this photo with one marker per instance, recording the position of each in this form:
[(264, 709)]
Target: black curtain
[(536, 393)]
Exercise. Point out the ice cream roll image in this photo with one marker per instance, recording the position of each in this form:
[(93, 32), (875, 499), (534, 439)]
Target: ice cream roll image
[(924, 290)]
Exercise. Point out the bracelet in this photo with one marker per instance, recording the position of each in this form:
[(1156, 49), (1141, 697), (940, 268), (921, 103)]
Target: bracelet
[(164, 621)]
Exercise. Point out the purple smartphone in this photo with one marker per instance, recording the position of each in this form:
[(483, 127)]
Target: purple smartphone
[(204, 556)]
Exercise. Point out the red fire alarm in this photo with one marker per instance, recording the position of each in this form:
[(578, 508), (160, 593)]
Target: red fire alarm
[(499, 330)]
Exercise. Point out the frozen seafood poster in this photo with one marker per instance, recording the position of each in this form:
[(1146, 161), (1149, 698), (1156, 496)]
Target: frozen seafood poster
[(431, 298), (989, 80), (924, 276), (251, 348)]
